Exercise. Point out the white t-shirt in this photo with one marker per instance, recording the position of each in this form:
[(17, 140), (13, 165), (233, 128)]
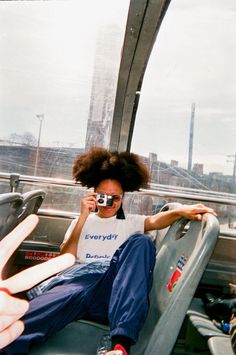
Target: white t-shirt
[(101, 237)]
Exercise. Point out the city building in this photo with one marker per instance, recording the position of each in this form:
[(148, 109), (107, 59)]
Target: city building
[(103, 87)]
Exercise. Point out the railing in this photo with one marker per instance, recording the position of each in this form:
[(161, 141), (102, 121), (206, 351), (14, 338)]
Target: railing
[(162, 191), (158, 190), (226, 199), (39, 180)]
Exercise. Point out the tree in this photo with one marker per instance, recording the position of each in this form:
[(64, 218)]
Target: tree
[(26, 138)]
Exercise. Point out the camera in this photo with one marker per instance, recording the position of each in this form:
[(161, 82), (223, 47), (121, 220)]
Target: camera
[(104, 200)]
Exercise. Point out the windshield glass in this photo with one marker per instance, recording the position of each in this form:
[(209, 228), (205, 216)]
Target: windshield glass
[(59, 61), (187, 109), (59, 68)]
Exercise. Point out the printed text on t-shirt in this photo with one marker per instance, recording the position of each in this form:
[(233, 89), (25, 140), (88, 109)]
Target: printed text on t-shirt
[(101, 237)]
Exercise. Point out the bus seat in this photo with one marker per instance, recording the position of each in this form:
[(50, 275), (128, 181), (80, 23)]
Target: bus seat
[(218, 342), (32, 201), (169, 297), (77, 338), (189, 245), (200, 320), (220, 346), (10, 208), (14, 207), (32, 252), (26, 204)]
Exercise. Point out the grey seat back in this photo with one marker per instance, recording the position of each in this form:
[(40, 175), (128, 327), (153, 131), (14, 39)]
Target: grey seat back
[(15, 207), (180, 263), (10, 208), (32, 201)]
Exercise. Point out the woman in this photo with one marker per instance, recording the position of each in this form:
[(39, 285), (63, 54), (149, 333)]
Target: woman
[(111, 282)]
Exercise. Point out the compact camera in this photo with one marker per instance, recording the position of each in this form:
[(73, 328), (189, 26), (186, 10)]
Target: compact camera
[(104, 200)]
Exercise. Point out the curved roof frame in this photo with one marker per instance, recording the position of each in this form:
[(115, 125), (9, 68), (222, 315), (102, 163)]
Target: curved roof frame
[(143, 23)]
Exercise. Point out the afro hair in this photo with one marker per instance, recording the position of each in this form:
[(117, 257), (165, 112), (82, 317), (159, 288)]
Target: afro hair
[(98, 164)]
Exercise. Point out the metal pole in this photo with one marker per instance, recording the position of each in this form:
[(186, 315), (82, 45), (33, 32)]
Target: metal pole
[(40, 117), (232, 190), (190, 151), (234, 173)]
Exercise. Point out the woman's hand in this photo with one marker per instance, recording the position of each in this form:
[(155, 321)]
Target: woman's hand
[(195, 211), (70, 244), (88, 204), (11, 309)]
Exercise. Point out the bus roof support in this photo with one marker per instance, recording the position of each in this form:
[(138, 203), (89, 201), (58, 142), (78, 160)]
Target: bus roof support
[(144, 20)]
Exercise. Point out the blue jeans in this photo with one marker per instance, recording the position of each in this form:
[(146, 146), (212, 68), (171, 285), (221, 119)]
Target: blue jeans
[(71, 273), (118, 297)]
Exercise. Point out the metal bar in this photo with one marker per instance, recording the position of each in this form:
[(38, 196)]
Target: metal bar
[(194, 197), (143, 23), (42, 180), (227, 199)]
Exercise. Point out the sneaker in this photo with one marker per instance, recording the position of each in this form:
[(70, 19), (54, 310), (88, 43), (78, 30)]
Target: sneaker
[(118, 350)]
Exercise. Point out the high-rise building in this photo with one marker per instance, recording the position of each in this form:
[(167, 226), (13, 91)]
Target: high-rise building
[(198, 169), (191, 133), (107, 60)]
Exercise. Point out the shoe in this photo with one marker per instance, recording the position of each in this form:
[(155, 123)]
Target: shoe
[(209, 298), (220, 309), (118, 350)]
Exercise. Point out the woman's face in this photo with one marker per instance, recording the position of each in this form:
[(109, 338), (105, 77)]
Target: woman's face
[(114, 189)]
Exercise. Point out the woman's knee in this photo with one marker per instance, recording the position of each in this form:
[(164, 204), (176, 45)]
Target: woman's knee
[(136, 246), (142, 240)]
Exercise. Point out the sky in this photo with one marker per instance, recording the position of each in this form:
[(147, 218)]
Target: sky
[(46, 66), (195, 53)]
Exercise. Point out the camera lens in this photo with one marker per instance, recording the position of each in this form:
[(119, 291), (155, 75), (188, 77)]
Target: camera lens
[(110, 201)]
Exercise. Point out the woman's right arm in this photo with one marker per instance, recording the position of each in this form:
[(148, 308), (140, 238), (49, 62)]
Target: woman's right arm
[(88, 204)]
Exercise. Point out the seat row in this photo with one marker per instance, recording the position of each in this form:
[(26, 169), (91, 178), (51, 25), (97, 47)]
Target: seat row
[(218, 342), (15, 207)]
